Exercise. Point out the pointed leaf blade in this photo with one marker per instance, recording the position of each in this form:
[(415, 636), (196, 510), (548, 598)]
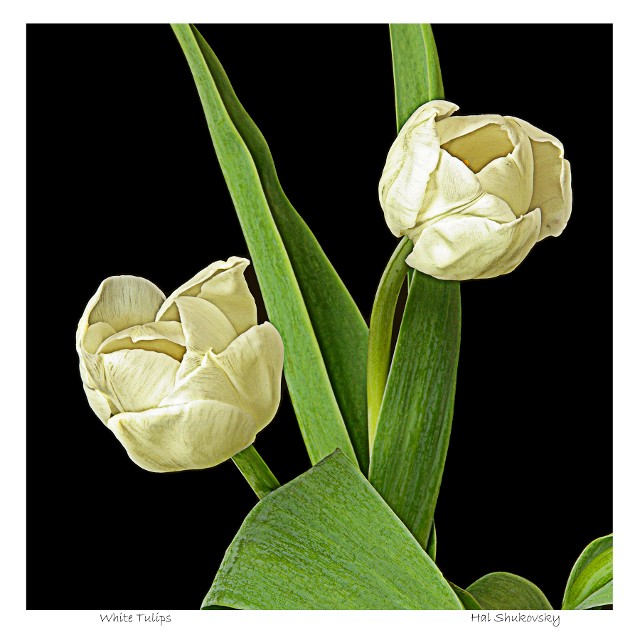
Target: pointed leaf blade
[(327, 540), (318, 414), (340, 329)]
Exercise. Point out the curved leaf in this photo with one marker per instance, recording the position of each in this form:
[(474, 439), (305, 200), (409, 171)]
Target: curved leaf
[(467, 600), (316, 408), (503, 590), (382, 315), (590, 583), (341, 331), (327, 540)]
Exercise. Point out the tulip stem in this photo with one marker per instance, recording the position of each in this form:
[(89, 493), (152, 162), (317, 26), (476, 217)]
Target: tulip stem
[(381, 330), (256, 471)]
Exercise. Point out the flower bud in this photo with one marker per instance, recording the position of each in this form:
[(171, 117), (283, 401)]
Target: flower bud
[(184, 382), (473, 193)]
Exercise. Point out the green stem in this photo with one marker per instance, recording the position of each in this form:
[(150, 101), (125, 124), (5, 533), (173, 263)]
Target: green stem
[(256, 471), (381, 329)]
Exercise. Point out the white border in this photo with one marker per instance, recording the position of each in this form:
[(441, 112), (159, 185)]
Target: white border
[(76, 624)]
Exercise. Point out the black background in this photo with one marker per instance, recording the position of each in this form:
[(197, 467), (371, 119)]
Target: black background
[(122, 178)]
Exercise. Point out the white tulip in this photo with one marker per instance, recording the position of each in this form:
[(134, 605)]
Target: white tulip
[(473, 193), (184, 382)]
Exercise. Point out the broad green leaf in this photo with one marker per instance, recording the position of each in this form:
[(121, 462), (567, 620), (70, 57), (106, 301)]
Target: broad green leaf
[(503, 590), (416, 69), (467, 600), (327, 540), (413, 430), (590, 583), (341, 331), (318, 414)]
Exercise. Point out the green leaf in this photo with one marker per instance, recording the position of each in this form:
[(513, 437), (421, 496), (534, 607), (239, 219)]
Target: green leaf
[(327, 540), (503, 590), (432, 542), (417, 79), (414, 424), (590, 583), (468, 601), (339, 327), (316, 408), (382, 315), (416, 69), (413, 430)]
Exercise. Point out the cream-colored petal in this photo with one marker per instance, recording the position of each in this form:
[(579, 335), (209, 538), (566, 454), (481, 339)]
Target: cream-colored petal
[(193, 287), (124, 301), (228, 290), (253, 364), (92, 372), (205, 326), (246, 374), (99, 403), (476, 140), (205, 381), (190, 362), (460, 126), (511, 178), (452, 187), (410, 162), (551, 180), (95, 335), (163, 337), (468, 246), (196, 435), (84, 375), (138, 380)]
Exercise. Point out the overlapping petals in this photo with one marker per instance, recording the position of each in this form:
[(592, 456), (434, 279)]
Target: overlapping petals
[(473, 193), (184, 382)]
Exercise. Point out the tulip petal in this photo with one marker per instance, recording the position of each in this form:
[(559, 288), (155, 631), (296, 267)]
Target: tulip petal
[(99, 403), (472, 245), (510, 178), (136, 380), (452, 187), (551, 180), (411, 160), (246, 374), (228, 290), (163, 337), (476, 140), (196, 435), (253, 364), (204, 282), (205, 326), (95, 335), (205, 381), (123, 301)]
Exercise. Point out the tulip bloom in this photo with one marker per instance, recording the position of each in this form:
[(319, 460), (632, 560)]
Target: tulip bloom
[(184, 382), (473, 193)]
